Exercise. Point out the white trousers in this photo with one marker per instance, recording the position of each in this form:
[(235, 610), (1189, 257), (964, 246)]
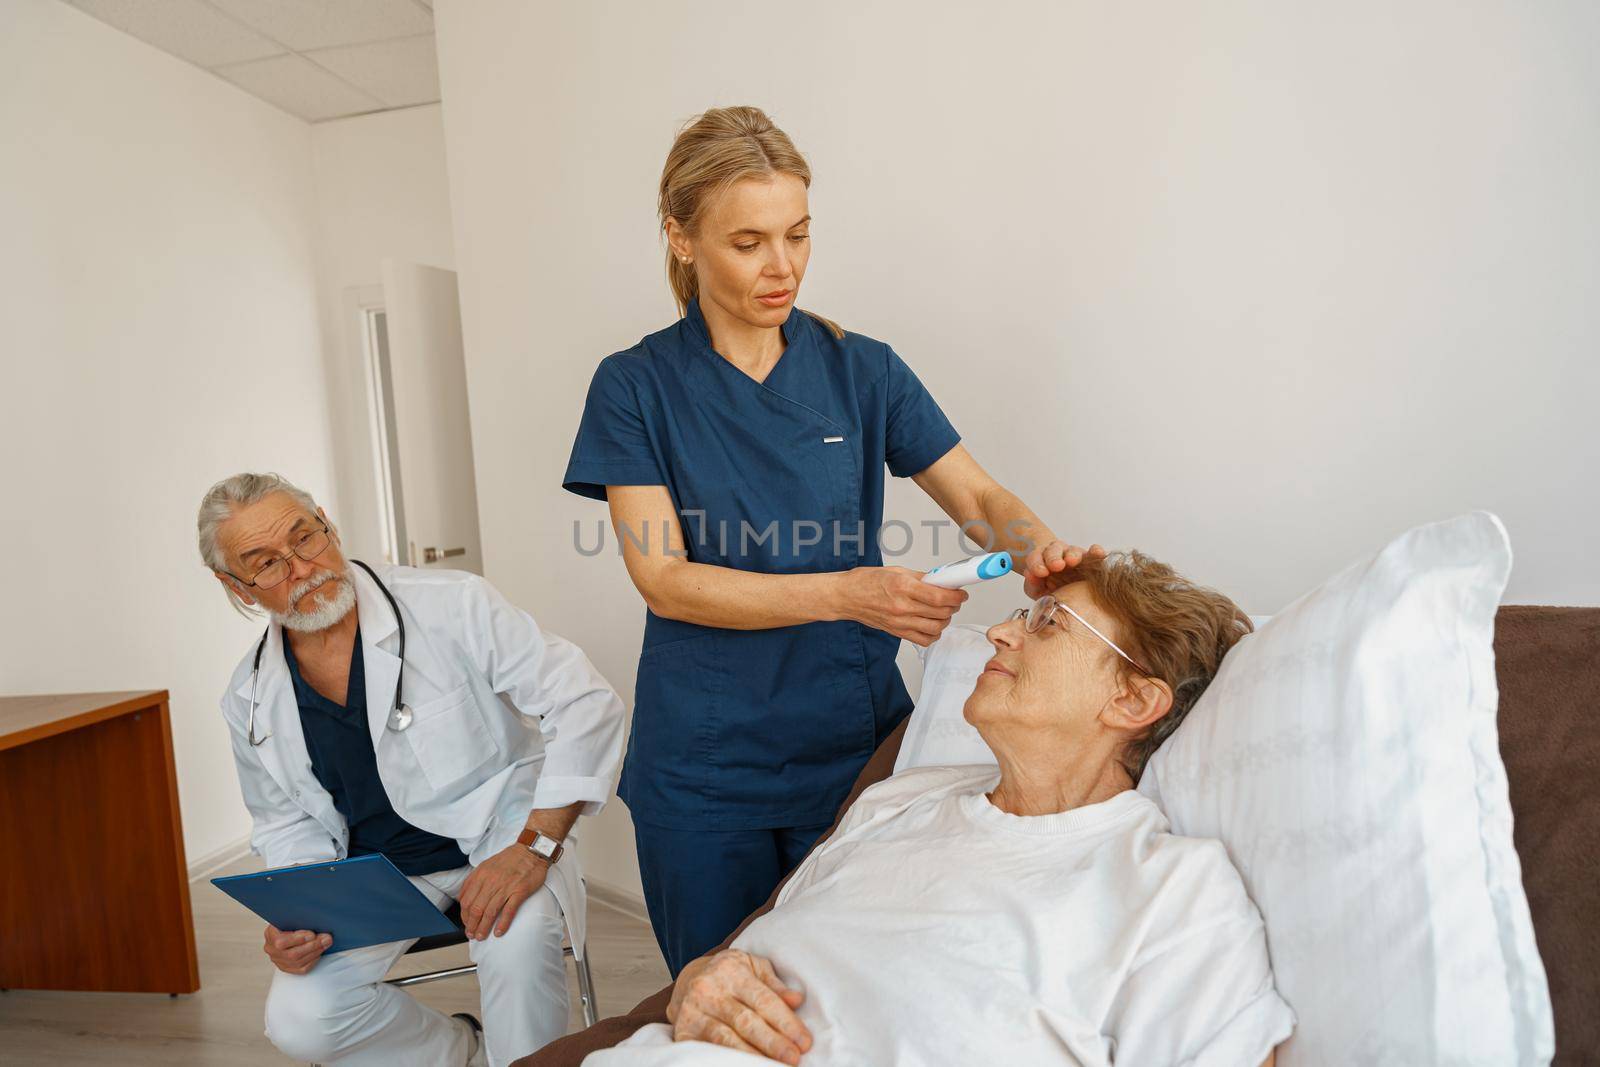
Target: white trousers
[(342, 1012)]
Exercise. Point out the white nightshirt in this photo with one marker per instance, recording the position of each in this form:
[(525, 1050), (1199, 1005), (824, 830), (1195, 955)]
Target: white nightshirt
[(934, 928)]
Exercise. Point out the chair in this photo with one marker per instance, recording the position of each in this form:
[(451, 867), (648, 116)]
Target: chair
[(459, 937)]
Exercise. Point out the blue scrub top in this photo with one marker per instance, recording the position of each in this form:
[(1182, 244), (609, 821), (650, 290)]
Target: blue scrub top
[(745, 729)]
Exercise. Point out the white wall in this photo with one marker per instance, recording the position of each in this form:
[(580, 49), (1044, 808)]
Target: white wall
[(158, 330), (1256, 284), (381, 193)]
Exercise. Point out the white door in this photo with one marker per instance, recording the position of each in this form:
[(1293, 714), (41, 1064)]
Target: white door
[(438, 494)]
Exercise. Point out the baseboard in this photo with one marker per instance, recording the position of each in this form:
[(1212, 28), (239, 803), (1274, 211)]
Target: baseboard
[(626, 901), (218, 858)]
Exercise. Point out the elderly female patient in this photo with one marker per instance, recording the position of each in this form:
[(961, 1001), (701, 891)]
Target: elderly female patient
[(1040, 913)]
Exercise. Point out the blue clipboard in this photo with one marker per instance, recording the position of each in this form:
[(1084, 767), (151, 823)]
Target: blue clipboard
[(360, 901)]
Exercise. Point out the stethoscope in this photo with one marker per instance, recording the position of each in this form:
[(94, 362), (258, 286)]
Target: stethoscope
[(400, 712)]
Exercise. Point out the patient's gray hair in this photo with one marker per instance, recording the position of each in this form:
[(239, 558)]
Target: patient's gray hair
[(218, 506)]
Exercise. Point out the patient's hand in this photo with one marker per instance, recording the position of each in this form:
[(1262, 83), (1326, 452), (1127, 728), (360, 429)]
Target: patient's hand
[(735, 999)]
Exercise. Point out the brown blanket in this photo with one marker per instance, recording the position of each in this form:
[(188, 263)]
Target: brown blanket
[(1548, 662)]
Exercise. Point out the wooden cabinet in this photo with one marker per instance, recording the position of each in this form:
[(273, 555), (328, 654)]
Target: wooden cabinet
[(94, 889)]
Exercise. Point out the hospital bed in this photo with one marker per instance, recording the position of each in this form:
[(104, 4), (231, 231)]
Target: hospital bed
[(1548, 667)]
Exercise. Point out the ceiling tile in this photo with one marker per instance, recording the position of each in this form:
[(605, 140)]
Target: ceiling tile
[(399, 73), (189, 29), (308, 24), (300, 87)]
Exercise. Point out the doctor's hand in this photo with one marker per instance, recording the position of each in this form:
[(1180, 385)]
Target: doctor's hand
[(896, 600), (1053, 565), (497, 887), (734, 999), (295, 951)]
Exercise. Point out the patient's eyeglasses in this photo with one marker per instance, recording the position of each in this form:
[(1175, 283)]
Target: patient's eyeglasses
[(1041, 611)]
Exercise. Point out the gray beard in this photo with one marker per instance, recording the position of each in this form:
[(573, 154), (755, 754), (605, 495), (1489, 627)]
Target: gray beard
[(327, 614)]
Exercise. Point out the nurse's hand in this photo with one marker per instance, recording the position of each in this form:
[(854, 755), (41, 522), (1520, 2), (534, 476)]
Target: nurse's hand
[(295, 951), (735, 999), (896, 600), (1053, 565)]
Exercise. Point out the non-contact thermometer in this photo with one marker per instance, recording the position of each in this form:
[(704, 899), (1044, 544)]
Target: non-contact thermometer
[(969, 571)]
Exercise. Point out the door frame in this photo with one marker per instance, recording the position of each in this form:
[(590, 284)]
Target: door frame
[(362, 305)]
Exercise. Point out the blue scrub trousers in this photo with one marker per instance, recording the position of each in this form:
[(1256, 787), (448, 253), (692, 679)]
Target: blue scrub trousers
[(701, 884)]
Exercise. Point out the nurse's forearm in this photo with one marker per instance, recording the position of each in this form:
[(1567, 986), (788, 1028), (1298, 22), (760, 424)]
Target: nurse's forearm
[(1041, 559), (676, 588), (1015, 528), (742, 600), (989, 514)]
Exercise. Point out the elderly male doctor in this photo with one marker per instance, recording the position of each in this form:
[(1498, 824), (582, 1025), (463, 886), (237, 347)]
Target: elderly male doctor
[(469, 778)]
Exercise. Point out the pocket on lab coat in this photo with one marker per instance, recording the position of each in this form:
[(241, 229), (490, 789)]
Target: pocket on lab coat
[(449, 737)]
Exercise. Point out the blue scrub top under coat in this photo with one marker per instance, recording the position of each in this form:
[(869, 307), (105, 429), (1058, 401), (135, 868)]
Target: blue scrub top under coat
[(339, 744), (743, 729)]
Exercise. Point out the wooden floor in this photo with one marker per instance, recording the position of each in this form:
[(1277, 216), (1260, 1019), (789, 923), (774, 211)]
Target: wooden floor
[(221, 1024)]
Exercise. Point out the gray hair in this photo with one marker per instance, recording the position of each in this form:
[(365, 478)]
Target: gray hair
[(218, 506)]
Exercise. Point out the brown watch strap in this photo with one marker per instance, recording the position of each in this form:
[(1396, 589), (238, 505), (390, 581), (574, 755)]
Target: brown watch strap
[(527, 838)]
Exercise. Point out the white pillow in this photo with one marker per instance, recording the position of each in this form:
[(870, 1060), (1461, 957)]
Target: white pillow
[(938, 735), (1347, 756)]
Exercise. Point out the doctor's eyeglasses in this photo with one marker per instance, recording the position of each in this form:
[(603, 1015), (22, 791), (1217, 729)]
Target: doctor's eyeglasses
[(1041, 611), (308, 547)]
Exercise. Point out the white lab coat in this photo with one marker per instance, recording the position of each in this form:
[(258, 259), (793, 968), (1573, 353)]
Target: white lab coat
[(507, 718)]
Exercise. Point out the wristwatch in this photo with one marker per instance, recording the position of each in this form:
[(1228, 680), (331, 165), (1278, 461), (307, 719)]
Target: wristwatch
[(540, 844)]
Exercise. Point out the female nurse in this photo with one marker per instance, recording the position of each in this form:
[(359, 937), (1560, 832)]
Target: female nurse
[(742, 453)]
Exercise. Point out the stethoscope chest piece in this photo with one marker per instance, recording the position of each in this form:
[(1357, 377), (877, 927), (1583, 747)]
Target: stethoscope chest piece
[(400, 718)]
